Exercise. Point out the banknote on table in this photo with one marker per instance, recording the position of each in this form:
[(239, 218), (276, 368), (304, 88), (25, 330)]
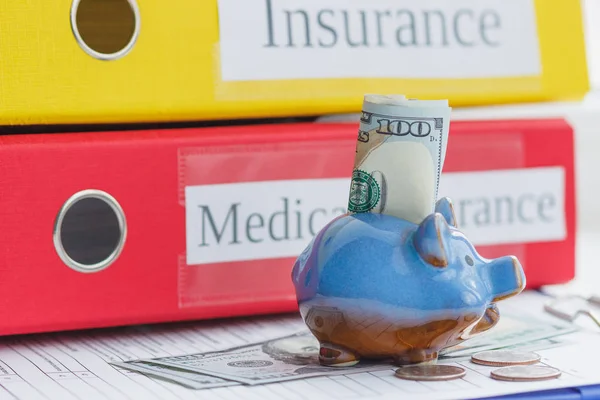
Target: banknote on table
[(512, 331), (400, 154), (283, 359), (192, 380)]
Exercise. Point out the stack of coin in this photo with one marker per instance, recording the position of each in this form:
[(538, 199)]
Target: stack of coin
[(516, 365), (525, 373), (501, 358), (430, 372)]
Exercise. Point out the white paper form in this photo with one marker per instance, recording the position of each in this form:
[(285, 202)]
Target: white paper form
[(77, 365), (476, 384)]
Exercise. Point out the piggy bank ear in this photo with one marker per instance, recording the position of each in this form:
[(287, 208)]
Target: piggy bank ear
[(431, 240), (444, 206)]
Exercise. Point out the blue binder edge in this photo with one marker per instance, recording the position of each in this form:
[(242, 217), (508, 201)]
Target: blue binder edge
[(590, 392)]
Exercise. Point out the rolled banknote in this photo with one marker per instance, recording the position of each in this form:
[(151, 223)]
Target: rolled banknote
[(400, 153)]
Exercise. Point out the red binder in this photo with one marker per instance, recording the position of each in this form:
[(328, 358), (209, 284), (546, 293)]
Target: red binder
[(113, 228)]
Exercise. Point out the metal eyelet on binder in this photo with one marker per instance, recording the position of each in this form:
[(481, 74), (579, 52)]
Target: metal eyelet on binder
[(90, 231), (86, 25)]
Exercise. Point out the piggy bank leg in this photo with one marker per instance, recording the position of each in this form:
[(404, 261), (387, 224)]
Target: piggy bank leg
[(489, 319), (336, 356), (416, 356)]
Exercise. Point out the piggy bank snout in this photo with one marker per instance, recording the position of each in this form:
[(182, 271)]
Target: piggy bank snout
[(505, 276)]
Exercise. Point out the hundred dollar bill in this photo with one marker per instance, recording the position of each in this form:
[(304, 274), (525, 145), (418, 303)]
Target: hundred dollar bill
[(192, 380), (283, 359), (400, 153)]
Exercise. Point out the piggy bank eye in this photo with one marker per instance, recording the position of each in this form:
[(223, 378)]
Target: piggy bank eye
[(469, 260)]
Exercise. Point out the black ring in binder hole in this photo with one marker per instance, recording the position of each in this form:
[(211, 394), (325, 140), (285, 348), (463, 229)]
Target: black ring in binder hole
[(105, 29), (90, 231)]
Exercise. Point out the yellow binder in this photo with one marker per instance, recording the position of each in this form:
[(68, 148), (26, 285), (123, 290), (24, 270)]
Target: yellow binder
[(99, 61)]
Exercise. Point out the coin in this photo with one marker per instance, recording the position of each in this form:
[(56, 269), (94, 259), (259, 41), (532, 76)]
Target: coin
[(500, 358), (525, 373), (430, 372)]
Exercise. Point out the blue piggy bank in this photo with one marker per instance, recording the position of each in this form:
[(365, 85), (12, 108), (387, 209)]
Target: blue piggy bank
[(379, 287)]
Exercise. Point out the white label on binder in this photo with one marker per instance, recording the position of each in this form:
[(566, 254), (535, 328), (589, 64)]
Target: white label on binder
[(302, 39), (275, 219), (508, 206)]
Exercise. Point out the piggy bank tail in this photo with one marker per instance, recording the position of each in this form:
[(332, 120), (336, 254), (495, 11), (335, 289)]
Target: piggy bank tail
[(505, 277)]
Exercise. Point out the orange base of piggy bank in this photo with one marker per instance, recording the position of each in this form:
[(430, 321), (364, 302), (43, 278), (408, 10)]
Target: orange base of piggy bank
[(348, 334)]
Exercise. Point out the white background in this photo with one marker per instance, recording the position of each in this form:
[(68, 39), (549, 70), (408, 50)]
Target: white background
[(591, 10)]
